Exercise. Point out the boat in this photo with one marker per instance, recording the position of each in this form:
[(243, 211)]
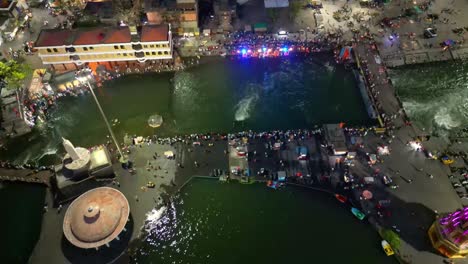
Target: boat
[(341, 198), (360, 215), (387, 248)]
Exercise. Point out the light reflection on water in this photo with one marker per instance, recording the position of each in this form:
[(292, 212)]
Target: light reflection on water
[(222, 96), (211, 222), (435, 96)]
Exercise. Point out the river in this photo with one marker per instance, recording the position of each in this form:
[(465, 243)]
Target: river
[(435, 95), (21, 208), (213, 222), (220, 96)]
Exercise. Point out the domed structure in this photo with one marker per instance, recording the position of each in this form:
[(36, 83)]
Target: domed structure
[(96, 217)]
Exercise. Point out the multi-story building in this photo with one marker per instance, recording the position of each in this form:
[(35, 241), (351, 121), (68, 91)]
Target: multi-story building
[(13, 18), (188, 17), (9, 8), (65, 49), (181, 14)]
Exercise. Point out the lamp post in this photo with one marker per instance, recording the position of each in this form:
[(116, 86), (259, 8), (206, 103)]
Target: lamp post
[(85, 79)]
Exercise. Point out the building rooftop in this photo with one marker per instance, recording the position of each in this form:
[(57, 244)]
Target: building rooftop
[(101, 9), (99, 35), (7, 4), (152, 33), (54, 37), (102, 35), (96, 217)]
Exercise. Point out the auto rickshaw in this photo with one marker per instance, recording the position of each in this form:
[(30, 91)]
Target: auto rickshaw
[(446, 160)]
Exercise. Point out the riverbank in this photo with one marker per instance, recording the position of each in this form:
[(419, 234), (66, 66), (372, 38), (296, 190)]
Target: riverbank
[(210, 159), (209, 154), (414, 219)]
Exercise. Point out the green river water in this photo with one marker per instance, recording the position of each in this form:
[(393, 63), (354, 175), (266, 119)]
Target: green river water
[(210, 223), (219, 96), (213, 222)]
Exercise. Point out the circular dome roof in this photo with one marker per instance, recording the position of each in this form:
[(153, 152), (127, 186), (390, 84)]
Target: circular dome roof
[(96, 217)]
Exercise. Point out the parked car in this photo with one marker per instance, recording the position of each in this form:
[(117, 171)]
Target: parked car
[(430, 32), (387, 180)]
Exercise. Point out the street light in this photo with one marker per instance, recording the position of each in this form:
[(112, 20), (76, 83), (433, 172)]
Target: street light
[(84, 78)]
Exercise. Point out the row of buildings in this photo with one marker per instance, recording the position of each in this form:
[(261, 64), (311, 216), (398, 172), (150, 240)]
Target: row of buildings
[(111, 43), (181, 14), (68, 49)]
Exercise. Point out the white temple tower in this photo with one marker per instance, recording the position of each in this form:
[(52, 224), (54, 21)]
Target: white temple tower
[(76, 160), (70, 149)]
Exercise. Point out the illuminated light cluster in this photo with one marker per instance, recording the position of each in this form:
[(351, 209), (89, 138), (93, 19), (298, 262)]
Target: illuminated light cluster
[(455, 225), (384, 150), (415, 145), (266, 52)]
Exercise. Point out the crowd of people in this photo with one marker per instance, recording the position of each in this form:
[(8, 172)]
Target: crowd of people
[(270, 45), (25, 166), (38, 109), (373, 84)]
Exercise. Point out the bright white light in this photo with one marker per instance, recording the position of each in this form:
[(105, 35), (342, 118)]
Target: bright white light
[(81, 79), (383, 150), (415, 145), (282, 32)]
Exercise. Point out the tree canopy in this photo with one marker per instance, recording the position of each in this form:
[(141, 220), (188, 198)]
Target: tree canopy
[(13, 73), (392, 238), (128, 10), (294, 8)]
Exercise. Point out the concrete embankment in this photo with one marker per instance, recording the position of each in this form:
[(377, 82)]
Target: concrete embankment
[(396, 59)]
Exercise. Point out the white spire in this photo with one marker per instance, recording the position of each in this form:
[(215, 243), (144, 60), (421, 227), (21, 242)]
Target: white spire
[(70, 149)]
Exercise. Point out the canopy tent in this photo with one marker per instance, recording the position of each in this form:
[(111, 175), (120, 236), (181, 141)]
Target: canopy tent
[(276, 3), (260, 27), (367, 195), (169, 154), (281, 175), (345, 53), (449, 42)]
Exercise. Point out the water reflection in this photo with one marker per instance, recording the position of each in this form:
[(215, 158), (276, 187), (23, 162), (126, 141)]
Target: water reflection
[(211, 222), (435, 95)]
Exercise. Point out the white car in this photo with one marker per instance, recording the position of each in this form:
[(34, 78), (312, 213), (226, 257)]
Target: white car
[(430, 33)]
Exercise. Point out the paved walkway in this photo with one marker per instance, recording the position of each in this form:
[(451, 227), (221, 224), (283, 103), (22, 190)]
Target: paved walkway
[(26, 175), (413, 203)]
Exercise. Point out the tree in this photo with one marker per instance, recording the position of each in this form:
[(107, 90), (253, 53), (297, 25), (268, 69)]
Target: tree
[(392, 238), (273, 14), (12, 73), (294, 8), (128, 10)]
